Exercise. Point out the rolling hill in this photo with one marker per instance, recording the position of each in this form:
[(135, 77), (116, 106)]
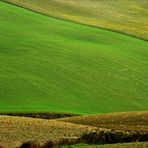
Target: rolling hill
[(126, 16), (16, 130), (49, 64), (135, 121)]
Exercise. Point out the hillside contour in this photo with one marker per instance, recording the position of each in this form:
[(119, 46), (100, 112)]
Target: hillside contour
[(132, 121), (48, 64), (125, 16), (16, 130)]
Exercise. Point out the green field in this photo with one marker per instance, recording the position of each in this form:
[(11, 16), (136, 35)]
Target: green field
[(126, 16), (48, 64)]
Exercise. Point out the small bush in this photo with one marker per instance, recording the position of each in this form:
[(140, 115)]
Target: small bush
[(30, 144)]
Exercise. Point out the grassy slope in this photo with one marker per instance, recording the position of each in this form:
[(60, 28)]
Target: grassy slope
[(51, 65), (127, 16), (135, 121), (16, 130)]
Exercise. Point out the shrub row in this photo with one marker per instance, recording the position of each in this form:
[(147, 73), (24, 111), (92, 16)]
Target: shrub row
[(96, 137), (112, 136), (40, 115)]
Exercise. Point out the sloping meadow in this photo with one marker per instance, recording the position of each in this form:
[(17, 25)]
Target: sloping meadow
[(47, 64), (125, 16)]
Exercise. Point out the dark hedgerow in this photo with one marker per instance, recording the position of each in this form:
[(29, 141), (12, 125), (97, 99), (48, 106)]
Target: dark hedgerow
[(96, 137), (112, 136), (42, 115)]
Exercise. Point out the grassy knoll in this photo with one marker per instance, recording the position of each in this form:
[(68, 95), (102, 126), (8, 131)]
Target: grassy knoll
[(127, 16), (48, 64), (135, 121), (16, 130)]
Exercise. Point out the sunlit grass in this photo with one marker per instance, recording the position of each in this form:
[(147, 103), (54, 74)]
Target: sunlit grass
[(48, 64), (126, 16)]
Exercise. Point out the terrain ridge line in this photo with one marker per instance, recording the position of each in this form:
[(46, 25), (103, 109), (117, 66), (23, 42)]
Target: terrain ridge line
[(75, 22)]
